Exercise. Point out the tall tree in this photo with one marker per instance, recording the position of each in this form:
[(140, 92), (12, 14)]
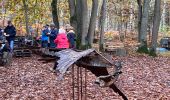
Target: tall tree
[(54, 12), (139, 18), (144, 21), (26, 15), (80, 20), (143, 29), (102, 22), (92, 24), (84, 24), (72, 8), (156, 23), (163, 19)]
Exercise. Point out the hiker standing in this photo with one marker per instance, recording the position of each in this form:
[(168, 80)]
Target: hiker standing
[(52, 36), (10, 33)]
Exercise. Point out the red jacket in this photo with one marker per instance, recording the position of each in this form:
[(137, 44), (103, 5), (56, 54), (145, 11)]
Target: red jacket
[(61, 41)]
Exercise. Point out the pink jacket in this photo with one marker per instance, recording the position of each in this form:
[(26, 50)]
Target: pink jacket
[(61, 41)]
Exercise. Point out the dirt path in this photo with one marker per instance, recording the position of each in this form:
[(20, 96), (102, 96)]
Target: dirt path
[(143, 78)]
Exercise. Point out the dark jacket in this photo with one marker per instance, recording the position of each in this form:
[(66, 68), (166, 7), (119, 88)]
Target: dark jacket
[(71, 37), (52, 36), (11, 31), (1, 34)]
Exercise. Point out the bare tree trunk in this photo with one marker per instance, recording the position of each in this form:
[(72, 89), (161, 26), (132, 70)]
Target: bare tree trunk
[(131, 18), (84, 18), (139, 18), (102, 23), (98, 14), (144, 22), (143, 29), (79, 21), (73, 20), (156, 23), (26, 15), (82, 22), (163, 22), (3, 13), (92, 25), (54, 12)]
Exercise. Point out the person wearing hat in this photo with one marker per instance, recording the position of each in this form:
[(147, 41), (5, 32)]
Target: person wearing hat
[(52, 35), (71, 37), (44, 37), (10, 32)]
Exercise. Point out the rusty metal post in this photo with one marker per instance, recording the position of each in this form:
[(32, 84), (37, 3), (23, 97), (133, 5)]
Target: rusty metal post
[(73, 84), (78, 72), (85, 88), (81, 83)]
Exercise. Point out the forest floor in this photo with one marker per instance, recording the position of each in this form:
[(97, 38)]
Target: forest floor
[(143, 78)]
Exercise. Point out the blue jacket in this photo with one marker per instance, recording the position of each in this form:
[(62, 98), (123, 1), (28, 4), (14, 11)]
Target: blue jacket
[(44, 35), (11, 31)]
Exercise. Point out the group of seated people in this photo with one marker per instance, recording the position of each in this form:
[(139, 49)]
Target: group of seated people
[(62, 38)]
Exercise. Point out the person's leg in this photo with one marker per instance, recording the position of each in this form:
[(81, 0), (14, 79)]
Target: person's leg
[(48, 44), (42, 44), (12, 45), (8, 41), (52, 45), (45, 44)]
